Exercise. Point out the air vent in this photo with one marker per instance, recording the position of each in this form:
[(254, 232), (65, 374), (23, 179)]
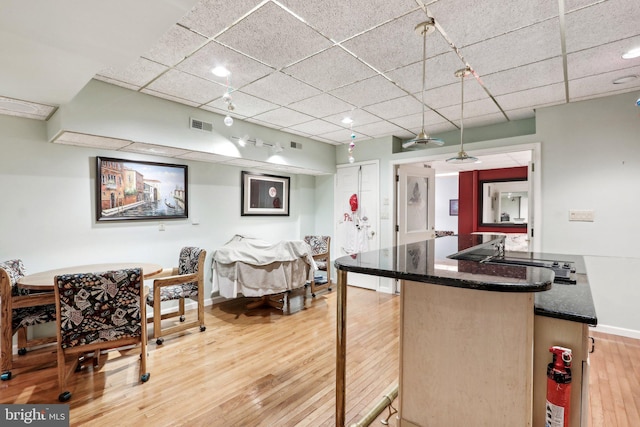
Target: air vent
[(200, 125), (296, 145)]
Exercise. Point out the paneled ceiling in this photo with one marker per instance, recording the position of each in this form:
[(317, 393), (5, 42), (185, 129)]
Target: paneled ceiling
[(302, 67)]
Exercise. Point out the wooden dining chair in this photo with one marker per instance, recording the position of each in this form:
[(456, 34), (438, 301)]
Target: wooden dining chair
[(20, 309), (321, 253), (99, 311), (178, 284)]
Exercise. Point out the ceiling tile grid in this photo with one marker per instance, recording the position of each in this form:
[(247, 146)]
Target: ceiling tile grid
[(136, 75), (214, 54), (340, 20), (175, 45), (339, 68), (304, 66), (266, 35), (186, 86)]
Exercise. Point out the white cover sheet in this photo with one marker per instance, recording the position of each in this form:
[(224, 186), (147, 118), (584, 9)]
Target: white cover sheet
[(254, 268)]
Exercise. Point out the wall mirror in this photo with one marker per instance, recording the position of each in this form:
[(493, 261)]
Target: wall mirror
[(504, 203)]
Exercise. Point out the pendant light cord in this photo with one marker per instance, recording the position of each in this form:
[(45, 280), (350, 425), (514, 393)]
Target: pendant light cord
[(462, 112), (424, 63)]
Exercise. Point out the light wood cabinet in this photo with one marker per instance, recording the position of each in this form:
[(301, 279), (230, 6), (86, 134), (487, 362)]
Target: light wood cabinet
[(466, 357)]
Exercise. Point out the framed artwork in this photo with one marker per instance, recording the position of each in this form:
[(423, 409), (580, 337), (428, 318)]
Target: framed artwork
[(134, 190), (264, 194), (453, 207)]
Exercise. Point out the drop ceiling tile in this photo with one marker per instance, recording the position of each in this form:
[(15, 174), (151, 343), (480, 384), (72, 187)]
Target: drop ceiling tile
[(298, 132), (138, 74), (602, 59), (378, 129), (243, 69), (314, 127), (280, 89), (158, 150), (27, 109), (571, 5), (94, 141), (414, 121), (246, 105), (460, 18), (283, 117), (175, 45), (471, 109), (339, 68), (448, 95), (529, 76), (533, 98), (359, 116), (210, 17), (186, 86), (441, 128), (266, 35), (439, 71), (321, 105), (399, 107), (396, 43), (585, 29), (601, 84), (343, 136), (527, 45), (488, 119), (367, 92), (339, 19)]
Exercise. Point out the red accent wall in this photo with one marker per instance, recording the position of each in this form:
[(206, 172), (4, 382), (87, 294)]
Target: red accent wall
[(468, 198)]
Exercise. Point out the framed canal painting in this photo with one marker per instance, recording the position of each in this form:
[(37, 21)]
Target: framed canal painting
[(133, 190), (264, 194)]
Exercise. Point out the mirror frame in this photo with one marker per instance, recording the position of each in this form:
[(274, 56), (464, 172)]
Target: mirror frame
[(481, 223)]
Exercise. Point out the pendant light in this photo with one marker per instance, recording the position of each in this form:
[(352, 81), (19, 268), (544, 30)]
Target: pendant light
[(422, 138), (462, 156)]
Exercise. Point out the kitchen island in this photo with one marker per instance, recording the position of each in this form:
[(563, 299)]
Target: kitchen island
[(476, 325)]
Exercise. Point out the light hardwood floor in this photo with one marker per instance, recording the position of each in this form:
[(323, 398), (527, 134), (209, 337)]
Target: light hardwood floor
[(265, 368)]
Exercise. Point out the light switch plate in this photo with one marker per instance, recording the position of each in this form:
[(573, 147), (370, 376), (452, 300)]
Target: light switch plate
[(581, 215)]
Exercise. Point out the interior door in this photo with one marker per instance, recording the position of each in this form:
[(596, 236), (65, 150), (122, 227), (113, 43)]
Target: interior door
[(416, 204), (356, 216)]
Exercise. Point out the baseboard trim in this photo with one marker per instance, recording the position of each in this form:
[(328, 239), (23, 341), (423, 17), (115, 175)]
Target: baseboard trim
[(613, 330)]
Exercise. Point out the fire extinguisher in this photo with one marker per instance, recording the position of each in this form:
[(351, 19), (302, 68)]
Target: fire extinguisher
[(558, 387)]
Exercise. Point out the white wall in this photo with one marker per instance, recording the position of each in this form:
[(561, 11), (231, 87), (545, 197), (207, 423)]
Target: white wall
[(446, 189), (48, 210), (591, 160)]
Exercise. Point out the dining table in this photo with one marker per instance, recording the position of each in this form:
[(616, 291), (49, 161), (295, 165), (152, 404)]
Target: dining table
[(43, 281)]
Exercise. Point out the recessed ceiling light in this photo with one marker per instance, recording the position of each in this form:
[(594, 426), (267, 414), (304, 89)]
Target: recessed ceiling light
[(220, 71), (347, 120), (625, 79), (633, 53)]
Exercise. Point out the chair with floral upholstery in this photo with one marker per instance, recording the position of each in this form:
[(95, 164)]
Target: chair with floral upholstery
[(179, 283), (320, 249), (99, 311), (21, 309)]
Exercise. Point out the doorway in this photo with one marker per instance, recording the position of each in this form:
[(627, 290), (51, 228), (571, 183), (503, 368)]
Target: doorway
[(491, 158), (356, 215)]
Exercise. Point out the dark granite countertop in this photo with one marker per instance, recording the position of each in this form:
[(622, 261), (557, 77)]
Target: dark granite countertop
[(429, 261)]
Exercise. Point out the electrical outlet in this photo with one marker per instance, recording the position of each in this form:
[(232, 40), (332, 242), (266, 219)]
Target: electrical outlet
[(161, 227), (581, 215)]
